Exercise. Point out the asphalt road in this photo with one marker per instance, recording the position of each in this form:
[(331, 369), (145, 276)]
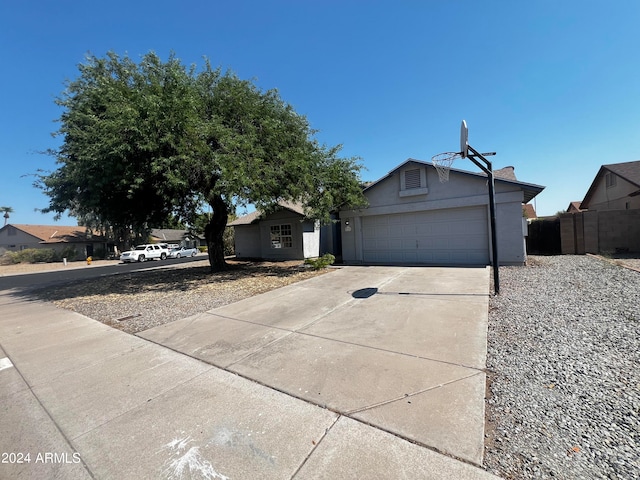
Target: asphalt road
[(26, 282)]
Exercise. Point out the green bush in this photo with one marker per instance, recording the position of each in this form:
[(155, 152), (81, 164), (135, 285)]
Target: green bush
[(33, 255), (70, 253), (321, 262), (229, 241), (39, 255)]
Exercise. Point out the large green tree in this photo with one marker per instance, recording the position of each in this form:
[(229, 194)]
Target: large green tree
[(145, 142)]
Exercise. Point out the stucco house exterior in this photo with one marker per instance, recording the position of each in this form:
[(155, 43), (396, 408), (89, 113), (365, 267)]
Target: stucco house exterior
[(282, 235), (609, 217), (615, 187), (413, 218), (16, 237), (574, 207)]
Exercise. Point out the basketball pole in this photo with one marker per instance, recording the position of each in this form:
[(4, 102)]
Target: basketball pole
[(488, 169)]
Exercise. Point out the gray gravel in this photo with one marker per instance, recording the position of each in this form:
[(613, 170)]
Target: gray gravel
[(563, 361)]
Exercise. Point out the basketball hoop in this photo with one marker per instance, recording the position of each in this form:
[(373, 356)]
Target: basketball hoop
[(443, 162)]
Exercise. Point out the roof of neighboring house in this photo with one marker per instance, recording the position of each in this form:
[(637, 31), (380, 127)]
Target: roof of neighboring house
[(57, 233), (505, 175), (168, 234), (574, 207), (529, 211), (257, 215), (630, 171)]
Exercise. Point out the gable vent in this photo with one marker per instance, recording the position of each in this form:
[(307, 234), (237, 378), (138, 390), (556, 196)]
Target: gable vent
[(412, 178)]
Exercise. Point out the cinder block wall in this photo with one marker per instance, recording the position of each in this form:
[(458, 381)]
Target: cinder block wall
[(600, 231)]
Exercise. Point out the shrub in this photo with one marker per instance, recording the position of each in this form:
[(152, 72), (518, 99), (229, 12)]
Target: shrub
[(33, 255), (321, 262), (229, 241), (70, 253)]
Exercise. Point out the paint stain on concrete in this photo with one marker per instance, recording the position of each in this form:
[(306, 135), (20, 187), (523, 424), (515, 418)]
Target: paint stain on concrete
[(5, 363), (186, 462)]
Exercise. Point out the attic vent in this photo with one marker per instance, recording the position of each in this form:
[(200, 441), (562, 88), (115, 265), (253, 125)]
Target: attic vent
[(610, 180), (412, 178)]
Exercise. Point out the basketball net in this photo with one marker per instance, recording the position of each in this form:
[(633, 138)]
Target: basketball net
[(443, 162)]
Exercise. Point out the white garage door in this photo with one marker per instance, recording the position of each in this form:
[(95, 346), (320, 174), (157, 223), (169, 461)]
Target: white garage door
[(457, 236)]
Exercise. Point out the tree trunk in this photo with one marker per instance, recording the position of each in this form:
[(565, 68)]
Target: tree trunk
[(214, 233)]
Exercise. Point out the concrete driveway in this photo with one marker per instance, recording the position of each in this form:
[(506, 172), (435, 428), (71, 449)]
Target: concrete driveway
[(399, 348), (365, 372)]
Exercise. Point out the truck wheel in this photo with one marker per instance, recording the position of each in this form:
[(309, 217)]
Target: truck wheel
[(141, 258), (163, 256)]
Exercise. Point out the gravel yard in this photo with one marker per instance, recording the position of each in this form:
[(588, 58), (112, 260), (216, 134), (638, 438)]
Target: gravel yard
[(134, 302), (563, 361)]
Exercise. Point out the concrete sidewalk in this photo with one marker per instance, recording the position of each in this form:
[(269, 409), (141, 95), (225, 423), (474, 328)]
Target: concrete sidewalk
[(252, 402)]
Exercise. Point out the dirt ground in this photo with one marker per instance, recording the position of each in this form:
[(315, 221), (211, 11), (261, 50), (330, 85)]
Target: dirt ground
[(136, 301)]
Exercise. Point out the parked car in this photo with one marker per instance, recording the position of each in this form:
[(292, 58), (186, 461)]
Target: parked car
[(145, 252), (181, 252)]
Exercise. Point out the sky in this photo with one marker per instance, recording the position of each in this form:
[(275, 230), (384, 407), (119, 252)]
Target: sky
[(553, 87)]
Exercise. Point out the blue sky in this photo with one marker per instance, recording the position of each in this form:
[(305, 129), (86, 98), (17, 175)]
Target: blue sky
[(552, 86)]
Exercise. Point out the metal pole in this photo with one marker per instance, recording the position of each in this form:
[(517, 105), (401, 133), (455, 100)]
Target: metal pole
[(494, 236), (488, 169)]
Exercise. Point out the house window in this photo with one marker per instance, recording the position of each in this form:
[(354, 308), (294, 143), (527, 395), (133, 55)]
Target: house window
[(281, 236), (610, 180), (413, 181)]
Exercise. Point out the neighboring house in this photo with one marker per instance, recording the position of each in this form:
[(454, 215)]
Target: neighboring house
[(615, 187), (412, 218), (529, 212), (183, 238), (282, 235), (574, 207), (14, 237)]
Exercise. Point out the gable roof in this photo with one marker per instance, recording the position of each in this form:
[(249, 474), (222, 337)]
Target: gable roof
[(56, 233), (629, 171), (257, 215), (574, 207), (168, 234), (529, 211), (504, 175)]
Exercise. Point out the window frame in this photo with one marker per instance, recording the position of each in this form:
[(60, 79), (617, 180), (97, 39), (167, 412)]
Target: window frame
[(281, 239)]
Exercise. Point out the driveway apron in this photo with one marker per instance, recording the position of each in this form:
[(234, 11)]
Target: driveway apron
[(399, 348)]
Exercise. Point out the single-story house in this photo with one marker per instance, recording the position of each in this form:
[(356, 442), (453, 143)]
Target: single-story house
[(183, 238), (284, 234), (574, 207), (14, 237), (615, 187), (413, 218), (529, 212)]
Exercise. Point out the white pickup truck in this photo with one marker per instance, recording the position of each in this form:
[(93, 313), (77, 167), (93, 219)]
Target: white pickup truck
[(145, 252)]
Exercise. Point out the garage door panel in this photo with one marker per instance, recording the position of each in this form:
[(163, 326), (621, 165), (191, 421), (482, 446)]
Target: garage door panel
[(452, 236)]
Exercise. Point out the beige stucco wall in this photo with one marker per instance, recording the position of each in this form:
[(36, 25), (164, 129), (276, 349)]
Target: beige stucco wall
[(615, 197)]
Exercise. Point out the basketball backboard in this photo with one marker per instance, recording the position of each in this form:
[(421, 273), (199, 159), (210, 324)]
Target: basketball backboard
[(464, 139)]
